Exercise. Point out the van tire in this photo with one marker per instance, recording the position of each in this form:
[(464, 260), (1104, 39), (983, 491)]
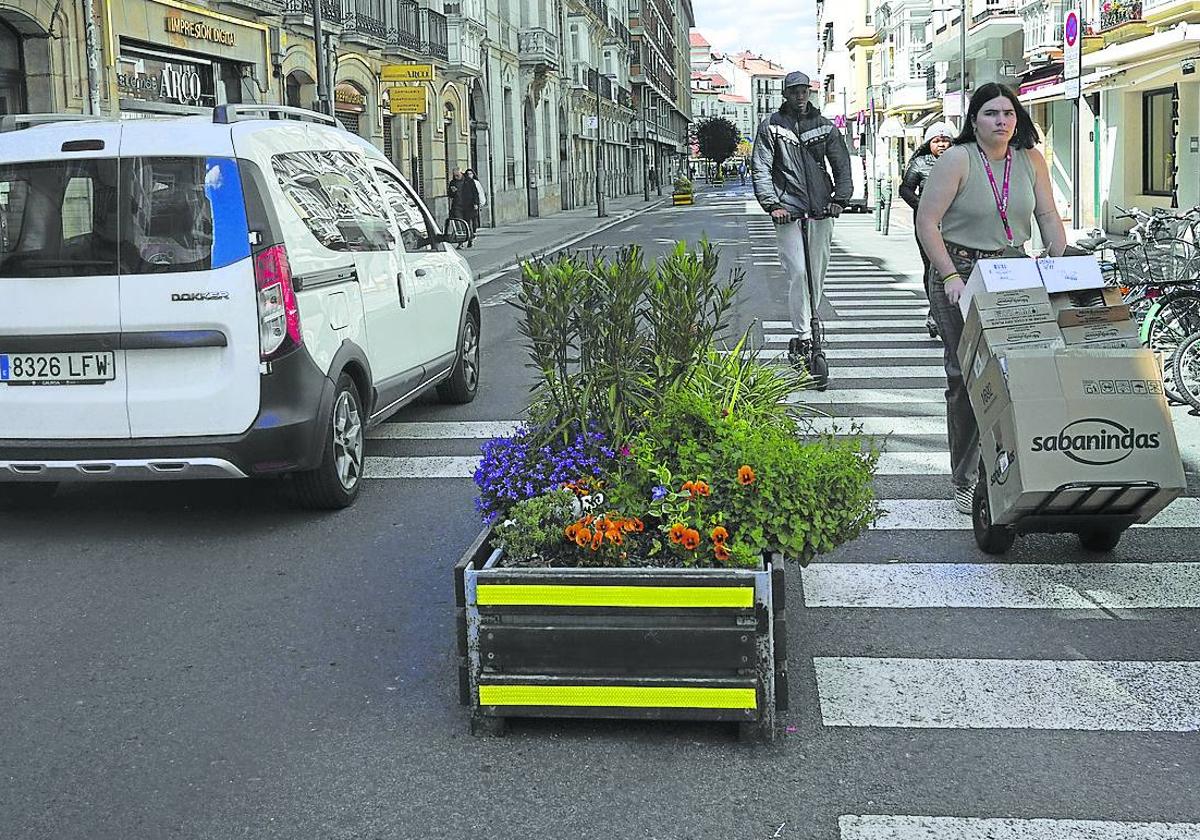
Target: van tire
[(24, 495), (463, 384), (1100, 540), (334, 484)]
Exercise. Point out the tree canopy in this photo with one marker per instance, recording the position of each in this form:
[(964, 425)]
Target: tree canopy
[(718, 139)]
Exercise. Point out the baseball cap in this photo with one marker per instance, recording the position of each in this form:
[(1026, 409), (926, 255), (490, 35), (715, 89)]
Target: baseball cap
[(796, 78)]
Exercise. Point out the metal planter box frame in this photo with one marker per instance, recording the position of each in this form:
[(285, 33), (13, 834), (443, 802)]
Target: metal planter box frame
[(641, 643)]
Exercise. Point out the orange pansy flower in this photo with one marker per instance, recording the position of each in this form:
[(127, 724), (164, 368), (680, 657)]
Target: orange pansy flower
[(745, 475), (691, 539), (721, 552), (719, 534), (676, 533), (702, 488), (583, 536)]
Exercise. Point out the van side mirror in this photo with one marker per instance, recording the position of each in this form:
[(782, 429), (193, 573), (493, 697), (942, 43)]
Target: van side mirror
[(457, 232)]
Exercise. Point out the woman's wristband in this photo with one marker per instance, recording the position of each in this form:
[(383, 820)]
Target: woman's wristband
[(953, 275)]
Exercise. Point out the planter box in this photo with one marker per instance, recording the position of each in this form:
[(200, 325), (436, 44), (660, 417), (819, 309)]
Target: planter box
[(644, 643), (682, 198)]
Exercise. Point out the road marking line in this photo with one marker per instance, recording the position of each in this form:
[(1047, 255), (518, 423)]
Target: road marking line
[(1050, 586), (443, 431), (430, 466), (881, 396), (888, 827), (1076, 695), (908, 426), (940, 515), (898, 323), (891, 352)]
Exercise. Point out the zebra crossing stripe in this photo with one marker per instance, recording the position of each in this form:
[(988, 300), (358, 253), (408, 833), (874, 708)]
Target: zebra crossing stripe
[(866, 338), (1072, 695), (880, 294), (876, 312), (895, 323), (851, 307), (907, 425), (429, 466), (881, 396), (1057, 586), (443, 431), (889, 827), (940, 515), (890, 352)]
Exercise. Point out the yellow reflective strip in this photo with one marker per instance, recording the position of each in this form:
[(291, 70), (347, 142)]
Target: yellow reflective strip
[(511, 595), (618, 695)]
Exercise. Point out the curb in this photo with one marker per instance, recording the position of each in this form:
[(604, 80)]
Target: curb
[(486, 275)]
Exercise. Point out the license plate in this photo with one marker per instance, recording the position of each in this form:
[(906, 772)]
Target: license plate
[(57, 368)]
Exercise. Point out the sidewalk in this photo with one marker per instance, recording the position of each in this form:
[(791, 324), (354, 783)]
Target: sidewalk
[(498, 248)]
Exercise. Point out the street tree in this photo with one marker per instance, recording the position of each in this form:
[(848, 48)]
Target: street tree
[(718, 139)]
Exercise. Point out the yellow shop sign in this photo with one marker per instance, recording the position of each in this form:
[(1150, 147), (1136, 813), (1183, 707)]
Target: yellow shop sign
[(406, 73), (407, 100)]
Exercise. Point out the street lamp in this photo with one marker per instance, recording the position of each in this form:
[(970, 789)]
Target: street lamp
[(600, 214), (645, 149)]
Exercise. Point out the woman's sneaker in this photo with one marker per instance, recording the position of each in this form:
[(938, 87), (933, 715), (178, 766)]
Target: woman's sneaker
[(964, 499)]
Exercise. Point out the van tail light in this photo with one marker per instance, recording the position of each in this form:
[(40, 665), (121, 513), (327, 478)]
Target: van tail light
[(278, 314)]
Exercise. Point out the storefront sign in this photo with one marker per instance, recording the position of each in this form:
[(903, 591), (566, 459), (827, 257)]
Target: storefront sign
[(406, 73), (348, 98), (200, 31), (407, 100), (159, 80)]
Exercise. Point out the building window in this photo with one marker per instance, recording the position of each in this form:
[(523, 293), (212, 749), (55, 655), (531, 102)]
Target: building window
[(12, 73), (1158, 143)]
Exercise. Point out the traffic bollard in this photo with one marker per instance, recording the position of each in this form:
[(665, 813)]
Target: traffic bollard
[(887, 207), (878, 204)]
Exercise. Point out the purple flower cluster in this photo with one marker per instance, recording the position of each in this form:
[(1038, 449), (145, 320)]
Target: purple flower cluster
[(515, 468)]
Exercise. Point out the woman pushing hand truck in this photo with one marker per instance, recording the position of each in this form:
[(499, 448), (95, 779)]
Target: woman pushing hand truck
[(979, 203)]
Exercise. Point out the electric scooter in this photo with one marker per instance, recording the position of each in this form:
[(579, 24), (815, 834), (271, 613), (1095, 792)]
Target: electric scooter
[(816, 363)]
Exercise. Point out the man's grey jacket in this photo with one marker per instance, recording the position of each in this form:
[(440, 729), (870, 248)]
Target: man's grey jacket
[(789, 164)]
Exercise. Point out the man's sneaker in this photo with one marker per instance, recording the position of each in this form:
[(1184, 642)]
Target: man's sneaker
[(964, 499), (799, 350)]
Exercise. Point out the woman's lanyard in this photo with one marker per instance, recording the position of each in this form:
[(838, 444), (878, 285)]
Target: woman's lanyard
[(1001, 195)]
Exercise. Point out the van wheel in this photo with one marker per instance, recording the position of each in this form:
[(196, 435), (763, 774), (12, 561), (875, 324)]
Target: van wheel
[(25, 495), (463, 384), (335, 483)]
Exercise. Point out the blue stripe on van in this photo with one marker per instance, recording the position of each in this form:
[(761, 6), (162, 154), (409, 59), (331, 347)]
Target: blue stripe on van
[(231, 231)]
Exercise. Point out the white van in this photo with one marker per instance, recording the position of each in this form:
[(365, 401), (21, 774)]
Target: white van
[(224, 297)]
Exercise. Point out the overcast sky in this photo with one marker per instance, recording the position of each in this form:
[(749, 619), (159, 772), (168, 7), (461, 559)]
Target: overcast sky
[(784, 31)]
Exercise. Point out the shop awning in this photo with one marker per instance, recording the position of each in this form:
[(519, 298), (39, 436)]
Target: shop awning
[(1058, 90), (917, 129), (892, 127), (1147, 47)]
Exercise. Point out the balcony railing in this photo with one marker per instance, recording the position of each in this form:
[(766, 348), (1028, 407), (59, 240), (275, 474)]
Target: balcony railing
[(403, 21), (365, 18), (331, 10), (435, 41), (1115, 13), (597, 8), (537, 46)]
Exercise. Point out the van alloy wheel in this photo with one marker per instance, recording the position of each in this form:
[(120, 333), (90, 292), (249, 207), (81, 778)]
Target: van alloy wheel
[(470, 351), (347, 441)]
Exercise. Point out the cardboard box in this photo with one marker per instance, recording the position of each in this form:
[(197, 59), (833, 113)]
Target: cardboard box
[(1096, 417), (1111, 336), (996, 343), (1069, 274), (1091, 306), (995, 277)]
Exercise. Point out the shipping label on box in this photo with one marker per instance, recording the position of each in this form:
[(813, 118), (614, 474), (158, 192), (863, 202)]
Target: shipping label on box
[(1111, 335), (1068, 274), (999, 276), (1033, 445)]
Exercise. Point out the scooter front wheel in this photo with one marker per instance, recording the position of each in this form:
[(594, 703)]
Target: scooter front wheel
[(818, 369)]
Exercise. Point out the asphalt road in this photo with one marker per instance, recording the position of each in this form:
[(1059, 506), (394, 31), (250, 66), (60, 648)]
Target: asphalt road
[(202, 661)]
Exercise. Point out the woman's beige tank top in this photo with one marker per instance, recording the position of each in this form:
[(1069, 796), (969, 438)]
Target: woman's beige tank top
[(973, 220)]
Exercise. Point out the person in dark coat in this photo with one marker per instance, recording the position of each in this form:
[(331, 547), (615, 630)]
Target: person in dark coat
[(938, 138), (464, 199)]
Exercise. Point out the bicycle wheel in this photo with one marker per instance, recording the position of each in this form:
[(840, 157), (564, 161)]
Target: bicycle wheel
[(1187, 370), (1168, 322)]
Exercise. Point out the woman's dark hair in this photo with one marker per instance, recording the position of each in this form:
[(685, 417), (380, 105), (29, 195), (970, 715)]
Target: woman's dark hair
[(1026, 135)]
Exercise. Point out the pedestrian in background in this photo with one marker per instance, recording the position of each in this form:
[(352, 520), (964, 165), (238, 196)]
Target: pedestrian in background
[(741, 170), (463, 199), (791, 182), (938, 138), (979, 202), (480, 203)]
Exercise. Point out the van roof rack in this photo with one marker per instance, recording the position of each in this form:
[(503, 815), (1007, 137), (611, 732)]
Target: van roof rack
[(225, 114), (15, 122)]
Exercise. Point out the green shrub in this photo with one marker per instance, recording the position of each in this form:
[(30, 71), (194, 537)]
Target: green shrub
[(533, 532)]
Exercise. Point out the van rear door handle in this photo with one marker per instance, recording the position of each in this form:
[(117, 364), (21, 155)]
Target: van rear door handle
[(420, 272)]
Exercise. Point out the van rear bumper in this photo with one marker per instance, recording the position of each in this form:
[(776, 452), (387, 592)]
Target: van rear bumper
[(287, 435)]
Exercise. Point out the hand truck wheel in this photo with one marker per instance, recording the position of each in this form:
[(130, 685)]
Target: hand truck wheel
[(991, 539), (1100, 539)]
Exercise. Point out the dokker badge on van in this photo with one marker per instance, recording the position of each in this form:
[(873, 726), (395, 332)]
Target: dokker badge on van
[(186, 297), (1096, 441)]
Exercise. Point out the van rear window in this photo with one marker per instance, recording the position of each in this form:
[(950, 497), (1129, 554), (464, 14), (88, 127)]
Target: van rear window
[(101, 216)]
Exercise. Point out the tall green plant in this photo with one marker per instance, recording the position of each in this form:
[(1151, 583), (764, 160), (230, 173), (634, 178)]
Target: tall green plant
[(609, 337)]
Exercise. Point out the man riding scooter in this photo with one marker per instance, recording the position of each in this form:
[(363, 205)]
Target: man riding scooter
[(792, 183)]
